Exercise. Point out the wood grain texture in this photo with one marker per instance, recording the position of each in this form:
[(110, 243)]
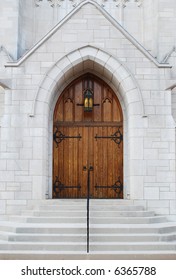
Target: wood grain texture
[(95, 146)]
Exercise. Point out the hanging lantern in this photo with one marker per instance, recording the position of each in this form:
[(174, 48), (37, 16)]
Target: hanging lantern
[(88, 100)]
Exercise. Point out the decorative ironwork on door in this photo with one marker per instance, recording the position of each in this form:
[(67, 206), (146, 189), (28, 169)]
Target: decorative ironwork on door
[(117, 137), (88, 131), (58, 136), (58, 187), (117, 187)]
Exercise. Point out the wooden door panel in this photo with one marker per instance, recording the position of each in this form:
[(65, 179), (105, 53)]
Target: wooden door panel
[(108, 164), (84, 164), (76, 147), (69, 156), (73, 156)]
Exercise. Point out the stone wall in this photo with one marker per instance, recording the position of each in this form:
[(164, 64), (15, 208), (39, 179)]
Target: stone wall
[(1, 103), (9, 25), (24, 22), (37, 17), (88, 40), (166, 23)]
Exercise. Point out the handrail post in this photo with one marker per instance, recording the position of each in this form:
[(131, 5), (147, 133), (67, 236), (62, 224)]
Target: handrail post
[(88, 208)]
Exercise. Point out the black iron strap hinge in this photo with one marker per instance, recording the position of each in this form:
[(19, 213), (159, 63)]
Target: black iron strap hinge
[(117, 137), (117, 187), (58, 137), (58, 187)]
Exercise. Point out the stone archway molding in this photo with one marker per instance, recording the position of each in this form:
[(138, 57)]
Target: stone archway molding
[(77, 62)]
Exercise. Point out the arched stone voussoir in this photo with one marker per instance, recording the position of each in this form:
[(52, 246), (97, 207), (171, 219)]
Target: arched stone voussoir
[(127, 84), (63, 64), (102, 57), (55, 72), (48, 83), (112, 64), (121, 73), (88, 52), (72, 65), (132, 95), (74, 57), (98, 68)]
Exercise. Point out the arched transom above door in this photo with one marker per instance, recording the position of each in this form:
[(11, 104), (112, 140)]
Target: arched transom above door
[(88, 140), (70, 106)]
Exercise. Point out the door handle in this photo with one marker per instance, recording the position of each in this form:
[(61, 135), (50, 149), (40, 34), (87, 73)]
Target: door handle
[(90, 168)]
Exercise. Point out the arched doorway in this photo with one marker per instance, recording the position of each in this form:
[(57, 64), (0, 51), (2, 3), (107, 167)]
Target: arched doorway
[(88, 136)]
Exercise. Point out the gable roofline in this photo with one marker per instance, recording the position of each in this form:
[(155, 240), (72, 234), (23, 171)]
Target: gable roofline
[(107, 16)]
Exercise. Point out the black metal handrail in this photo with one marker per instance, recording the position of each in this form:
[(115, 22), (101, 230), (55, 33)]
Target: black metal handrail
[(88, 206)]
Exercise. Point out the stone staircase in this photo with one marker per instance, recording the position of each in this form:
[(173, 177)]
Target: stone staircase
[(56, 229)]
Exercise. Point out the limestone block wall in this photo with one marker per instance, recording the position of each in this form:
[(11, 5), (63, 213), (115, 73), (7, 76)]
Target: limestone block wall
[(152, 23), (174, 104), (88, 41), (166, 26), (1, 102), (37, 17), (9, 25), (150, 26)]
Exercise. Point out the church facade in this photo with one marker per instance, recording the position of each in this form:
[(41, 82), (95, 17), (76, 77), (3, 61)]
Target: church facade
[(87, 88)]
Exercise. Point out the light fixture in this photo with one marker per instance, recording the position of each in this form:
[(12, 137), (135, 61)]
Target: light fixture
[(88, 100)]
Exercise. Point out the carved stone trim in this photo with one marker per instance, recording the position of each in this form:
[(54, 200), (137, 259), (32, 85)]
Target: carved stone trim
[(123, 3), (74, 3), (139, 2), (103, 3), (58, 3), (55, 3), (37, 2)]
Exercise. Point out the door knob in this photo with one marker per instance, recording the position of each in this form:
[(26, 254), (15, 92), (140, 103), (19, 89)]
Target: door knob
[(91, 168)]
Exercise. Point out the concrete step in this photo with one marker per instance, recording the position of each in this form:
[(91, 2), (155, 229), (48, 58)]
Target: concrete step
[(74, 255), (78, 238), (64, 228), (93, 237), (84, 201), (100, 207), (49, 220), (128, 220), (66, 213), (94, 247), (125, 202), (61, 229), (99, 220), (4, 236), (132, 246), (94, 213), (106, 213), (134, 229), (47, 246)]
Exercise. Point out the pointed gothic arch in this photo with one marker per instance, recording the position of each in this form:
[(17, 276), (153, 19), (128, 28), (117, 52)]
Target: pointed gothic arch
[(89, 58), (116, 75)]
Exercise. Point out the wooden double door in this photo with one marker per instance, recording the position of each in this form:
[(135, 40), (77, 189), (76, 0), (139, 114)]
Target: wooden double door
[(87, 146)]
